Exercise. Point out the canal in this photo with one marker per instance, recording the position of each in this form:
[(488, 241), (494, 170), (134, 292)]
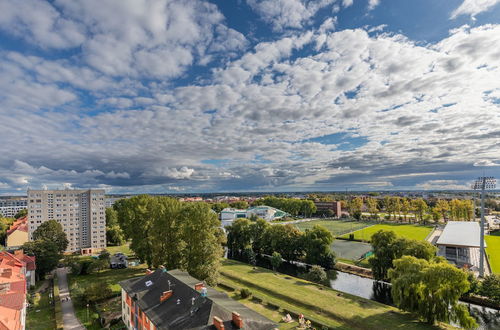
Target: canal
[(487, 318)]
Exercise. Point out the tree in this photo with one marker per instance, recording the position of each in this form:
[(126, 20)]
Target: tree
[(219, 206), (372, 207), (431, 290), (285, 239), (47, 255), (355, 205), (405, 207), (4, 226), (276, 260), (21, 213), (420, 207), (316, 274), (242, 205), (257, 235), (202, 249), (52, 231), (114, 234), (239, 235), (387, 247), (491, 287), (96, 291), (317, 247), (442, 207)]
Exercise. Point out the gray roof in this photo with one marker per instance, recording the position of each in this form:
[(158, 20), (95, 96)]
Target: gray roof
[(146, 291), (461, 233)]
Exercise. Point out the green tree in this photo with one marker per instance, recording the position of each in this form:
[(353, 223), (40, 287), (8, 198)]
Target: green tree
[(405, 207), (219, 206), (276, 260), (52, 231), (96, 291), (442, 207), (242, 205), (355, 206), (317, 243), (420, 207), (202, 249), (285, 239), (4, 226), (431, 290), (114, 234), (372, 207), (257, 233), (239, 234), (491, 287), (21, 213), (387, 247), (47, 255), (316, 274)]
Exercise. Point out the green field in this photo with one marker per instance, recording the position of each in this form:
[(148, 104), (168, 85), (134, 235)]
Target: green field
[(40, 315), (493, 252), (332, 308), (125, 249), (415, 232), (336, 227)]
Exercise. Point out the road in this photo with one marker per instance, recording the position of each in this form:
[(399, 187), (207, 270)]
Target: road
[(70, 321)]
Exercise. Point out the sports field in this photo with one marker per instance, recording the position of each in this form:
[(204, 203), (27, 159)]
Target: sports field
[(493, 252), (336, 227), (409, 231)]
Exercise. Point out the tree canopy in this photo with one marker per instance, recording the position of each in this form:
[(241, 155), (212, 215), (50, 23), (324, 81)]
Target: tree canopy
[(52, 231), (164, 231), (387, 247), (431, 290)]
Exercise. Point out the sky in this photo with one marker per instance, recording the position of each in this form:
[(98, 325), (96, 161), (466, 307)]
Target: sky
[(248, 95)]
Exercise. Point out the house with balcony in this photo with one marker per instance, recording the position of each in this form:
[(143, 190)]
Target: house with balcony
[(459, 243)]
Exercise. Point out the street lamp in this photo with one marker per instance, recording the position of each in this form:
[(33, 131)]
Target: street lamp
[(483, 183)]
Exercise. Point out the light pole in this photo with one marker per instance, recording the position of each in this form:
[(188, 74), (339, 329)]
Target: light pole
[(483, 183)]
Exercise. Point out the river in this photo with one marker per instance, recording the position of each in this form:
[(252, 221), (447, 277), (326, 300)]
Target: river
[(487, 318)]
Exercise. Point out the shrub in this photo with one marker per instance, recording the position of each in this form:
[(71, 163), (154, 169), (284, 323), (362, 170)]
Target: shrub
[(351, 237), (245, 293), (317, 274)]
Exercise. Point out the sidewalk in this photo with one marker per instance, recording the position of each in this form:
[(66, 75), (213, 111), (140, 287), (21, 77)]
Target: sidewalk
[(70, 320)]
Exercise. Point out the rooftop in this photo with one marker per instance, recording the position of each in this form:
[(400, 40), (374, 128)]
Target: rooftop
[(461, 233), (186, 308)]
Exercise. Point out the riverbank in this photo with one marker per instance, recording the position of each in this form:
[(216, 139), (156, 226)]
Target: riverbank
[(330, 307)]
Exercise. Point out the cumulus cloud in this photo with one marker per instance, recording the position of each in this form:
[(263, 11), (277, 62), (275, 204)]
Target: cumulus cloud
[(372, 4), (316, 109), (283, 14), (473, 7)]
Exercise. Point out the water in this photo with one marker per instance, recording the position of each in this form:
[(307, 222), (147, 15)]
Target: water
[(487, 318)]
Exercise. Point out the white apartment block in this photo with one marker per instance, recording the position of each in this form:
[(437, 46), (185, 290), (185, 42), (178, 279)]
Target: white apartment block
[(10, 207), (80, 212)]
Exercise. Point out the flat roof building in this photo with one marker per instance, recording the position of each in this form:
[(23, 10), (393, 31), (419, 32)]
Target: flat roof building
[(10, 207), (459, 243), (80, 212)]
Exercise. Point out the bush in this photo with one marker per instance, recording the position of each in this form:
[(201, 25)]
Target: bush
[(316, 274), (96, 291), (245, 293), (351, 237), (491, 287)]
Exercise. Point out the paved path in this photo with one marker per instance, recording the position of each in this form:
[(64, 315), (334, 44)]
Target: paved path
[(70, 321)]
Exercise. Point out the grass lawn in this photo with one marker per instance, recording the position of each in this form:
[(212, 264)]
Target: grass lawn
[(336, 227), (493, 252), (335, 309), (40, 315), (112, 277), (404, 230), (125, 249)]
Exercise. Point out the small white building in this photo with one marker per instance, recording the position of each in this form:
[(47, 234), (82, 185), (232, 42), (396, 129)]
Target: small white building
[(459, 243)]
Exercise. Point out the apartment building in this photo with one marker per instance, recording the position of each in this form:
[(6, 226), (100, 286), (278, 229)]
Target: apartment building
[(10, 207), (80, 212)]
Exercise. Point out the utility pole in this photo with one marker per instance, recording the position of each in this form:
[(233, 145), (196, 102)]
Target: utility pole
[(483, 183)]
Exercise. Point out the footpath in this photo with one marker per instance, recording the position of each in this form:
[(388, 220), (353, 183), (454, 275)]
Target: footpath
[(70, 321)]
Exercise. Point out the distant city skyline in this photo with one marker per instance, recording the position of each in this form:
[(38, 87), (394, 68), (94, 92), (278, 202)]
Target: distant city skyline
[(198, 96)]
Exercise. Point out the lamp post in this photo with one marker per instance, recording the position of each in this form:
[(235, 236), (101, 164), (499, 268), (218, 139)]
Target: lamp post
[(483, 183)]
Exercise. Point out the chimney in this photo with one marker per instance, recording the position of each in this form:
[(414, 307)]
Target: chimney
[(198, 286), (237, 320), (19, 252), (166, 295), (219, 325)]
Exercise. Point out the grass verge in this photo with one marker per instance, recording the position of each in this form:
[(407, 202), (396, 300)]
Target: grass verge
[(41, 314), (335, 309)]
